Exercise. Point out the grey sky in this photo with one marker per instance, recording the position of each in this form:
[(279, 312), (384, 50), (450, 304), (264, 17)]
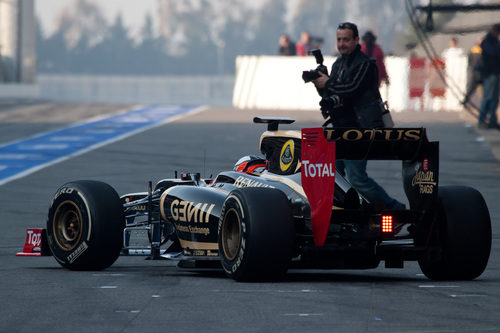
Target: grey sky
[(133, 12)]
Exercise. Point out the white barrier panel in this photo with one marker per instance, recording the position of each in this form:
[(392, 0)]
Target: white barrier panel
[(456, 73), (396, 93), (274, 82), (270, 82)]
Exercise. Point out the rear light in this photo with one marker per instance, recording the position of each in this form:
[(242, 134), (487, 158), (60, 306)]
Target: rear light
[(386, 223)]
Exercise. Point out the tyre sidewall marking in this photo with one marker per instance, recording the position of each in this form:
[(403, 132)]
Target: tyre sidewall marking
[(78, 252), (231, 266)]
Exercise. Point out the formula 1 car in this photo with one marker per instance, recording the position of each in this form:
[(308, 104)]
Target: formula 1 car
[(289, 210)]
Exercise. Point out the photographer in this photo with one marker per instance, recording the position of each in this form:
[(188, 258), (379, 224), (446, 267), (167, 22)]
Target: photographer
[(350, 98)]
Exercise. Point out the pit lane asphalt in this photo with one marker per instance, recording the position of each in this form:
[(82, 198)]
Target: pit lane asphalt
[(137, 295)]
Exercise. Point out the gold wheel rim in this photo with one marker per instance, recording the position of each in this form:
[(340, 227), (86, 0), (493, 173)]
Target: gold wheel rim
[(231, 234), (67, 226)]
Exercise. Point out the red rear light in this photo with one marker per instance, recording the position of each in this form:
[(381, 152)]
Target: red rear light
[(386, 223)]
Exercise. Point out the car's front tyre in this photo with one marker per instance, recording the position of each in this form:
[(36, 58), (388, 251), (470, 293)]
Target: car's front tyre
[(85, 225)]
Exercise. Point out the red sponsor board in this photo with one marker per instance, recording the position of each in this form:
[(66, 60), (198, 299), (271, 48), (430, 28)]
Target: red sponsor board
[(318, 179), (418, 77), (437, 87)]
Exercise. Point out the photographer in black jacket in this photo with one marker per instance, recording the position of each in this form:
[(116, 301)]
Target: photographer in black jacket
[(350, 97)]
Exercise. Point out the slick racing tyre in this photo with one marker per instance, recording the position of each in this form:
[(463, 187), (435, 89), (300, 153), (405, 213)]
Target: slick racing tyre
[(85, 225), (256, 234), (462, 236)]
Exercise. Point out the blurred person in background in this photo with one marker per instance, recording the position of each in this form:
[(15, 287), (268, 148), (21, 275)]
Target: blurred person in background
[(287, 46), (473, 70), (453, 50), (490, 71), (1, 64), (454, 63), (373, 50), (304, 44)]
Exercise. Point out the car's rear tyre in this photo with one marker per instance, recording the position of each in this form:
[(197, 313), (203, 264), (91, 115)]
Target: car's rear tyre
[(256, 234), (462, 236), (85, 225)]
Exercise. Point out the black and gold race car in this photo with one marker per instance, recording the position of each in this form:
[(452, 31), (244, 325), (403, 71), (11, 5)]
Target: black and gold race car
[(290, 209)]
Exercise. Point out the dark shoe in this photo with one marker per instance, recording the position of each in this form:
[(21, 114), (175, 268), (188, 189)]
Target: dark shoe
[(494, 126), (482, 126)]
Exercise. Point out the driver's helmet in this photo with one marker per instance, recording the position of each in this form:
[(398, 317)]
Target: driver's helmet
[(250, 164)]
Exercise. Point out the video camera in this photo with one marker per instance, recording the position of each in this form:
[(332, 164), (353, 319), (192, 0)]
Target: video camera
[(308, 76)]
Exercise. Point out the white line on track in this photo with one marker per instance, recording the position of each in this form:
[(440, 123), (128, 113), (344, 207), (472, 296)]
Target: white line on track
[(303, 314), (128, 311), (266, 291)]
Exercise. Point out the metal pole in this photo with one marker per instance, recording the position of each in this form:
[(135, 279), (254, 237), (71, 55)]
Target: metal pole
[(458, 8), (19, 55)]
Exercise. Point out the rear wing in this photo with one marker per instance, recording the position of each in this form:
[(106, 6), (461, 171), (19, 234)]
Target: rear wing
[(419, 156)]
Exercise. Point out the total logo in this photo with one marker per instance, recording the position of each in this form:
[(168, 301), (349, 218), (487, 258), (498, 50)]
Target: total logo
[(313, 170), (34, 238)]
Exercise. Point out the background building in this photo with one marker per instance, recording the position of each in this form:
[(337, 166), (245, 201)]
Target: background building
[(17, 41)]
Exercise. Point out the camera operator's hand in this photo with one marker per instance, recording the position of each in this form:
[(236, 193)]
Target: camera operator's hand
[(320, 82), (329, 102)]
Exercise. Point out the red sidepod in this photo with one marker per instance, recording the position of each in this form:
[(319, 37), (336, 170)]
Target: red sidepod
[(318, 179)]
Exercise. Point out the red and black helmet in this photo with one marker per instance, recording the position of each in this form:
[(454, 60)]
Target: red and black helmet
[(250, 164)]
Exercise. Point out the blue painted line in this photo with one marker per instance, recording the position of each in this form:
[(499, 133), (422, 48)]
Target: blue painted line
[(23, 157)]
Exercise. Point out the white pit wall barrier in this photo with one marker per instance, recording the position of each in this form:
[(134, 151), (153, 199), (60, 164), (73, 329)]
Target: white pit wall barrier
[(275, 82)]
